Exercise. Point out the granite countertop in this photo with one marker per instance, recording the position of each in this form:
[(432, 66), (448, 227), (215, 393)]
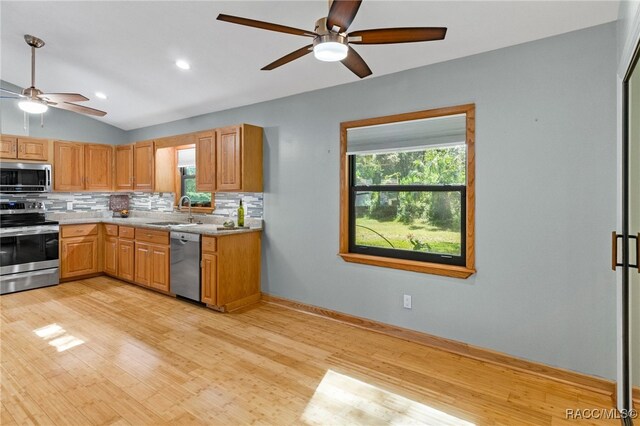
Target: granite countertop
[(139, 222)]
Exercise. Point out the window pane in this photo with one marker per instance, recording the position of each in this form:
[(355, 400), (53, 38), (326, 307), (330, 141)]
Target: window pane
[(424, 221), (198, 199), (189, 170), (433, 166)]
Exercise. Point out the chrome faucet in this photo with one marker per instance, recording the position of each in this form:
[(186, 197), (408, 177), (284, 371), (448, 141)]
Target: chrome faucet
[(190, 217)]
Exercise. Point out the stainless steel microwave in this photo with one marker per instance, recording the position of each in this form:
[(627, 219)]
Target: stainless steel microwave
[(25, 177)]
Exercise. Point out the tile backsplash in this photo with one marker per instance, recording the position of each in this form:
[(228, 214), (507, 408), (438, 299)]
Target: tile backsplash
[(60, 202)]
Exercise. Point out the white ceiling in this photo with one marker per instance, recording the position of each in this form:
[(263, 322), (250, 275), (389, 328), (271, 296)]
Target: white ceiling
[(128, 49)]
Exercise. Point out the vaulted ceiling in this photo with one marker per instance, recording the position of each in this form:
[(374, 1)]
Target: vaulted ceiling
[(128, 49)]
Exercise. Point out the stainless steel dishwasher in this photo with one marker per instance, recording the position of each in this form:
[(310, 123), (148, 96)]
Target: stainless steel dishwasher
[(185, 265)]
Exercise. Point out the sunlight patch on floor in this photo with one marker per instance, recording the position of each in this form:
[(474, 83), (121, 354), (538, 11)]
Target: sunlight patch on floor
[(341, 399), (57, 337)]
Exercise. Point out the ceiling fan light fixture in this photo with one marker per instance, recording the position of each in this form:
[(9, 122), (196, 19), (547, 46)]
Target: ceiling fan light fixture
[(330, 47), (33, 106), (330, 51)]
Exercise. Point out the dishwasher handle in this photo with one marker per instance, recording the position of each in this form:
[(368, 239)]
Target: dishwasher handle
[(185, 237)]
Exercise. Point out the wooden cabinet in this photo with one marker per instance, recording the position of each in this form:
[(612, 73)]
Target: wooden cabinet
[(206, 161), (98, 165), (124, 168), (230, 270), (134, 167), (126, 266), (111, 256), (159, 267), (33, 149), (68, 166), (152, 265), (152, 259), (8, 147), (239, 159), (79, 166), (143, 166), (79, 250), (229, 159), (209, 278), (12, 147)]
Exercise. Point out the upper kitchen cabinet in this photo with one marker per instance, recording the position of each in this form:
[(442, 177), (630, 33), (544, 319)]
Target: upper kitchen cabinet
[(206, 161), (79, 166), (98, 160), (135, 167), (68, 166), (12, 147), (239, 159), (143, 166), (124, 168)]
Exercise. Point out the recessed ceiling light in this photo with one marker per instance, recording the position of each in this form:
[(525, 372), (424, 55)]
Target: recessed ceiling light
[(182, 64), (101, 95)]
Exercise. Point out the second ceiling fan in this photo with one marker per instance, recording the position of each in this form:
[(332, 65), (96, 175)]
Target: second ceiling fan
[(331, 42)]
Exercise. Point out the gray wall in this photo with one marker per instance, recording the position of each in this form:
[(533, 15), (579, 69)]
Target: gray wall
[(546, 194), (58, 124)]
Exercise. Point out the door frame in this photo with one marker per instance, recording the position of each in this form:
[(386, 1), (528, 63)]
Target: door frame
[(628, 64)]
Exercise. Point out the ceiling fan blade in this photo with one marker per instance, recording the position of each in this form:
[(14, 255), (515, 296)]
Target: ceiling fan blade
[(78, 108), (341, 14), (11, 92), (64, 97), (265, 25), (397, 35), (356, 64), (288, 58)]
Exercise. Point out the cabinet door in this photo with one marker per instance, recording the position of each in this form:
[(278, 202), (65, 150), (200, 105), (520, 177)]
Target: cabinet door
[(142, 264), (126, 266), (97, 162), (160, 267), (209, 278), (143, 171), (8, 147), (229, 159), (68, 166), (124, 168), (111, 256), (206, 162), (33, 149), (79, 256)]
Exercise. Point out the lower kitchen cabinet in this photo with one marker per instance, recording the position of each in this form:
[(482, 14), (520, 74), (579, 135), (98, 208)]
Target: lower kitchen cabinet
[(111, 255), (126, 264), (230, 270), (152, 265), (79, 251), (209, 277)]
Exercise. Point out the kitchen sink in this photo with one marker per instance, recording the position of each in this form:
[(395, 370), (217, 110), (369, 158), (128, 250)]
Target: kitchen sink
[(173, 224)]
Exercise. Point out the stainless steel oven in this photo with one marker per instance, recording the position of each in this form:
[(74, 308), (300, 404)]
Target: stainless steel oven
[(29, 255), (25, 177)]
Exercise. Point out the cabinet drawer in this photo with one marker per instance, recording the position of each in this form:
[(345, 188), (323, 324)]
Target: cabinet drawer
[(127, 232), (151, 236), (209, 244), (111, 230), (79, 230)]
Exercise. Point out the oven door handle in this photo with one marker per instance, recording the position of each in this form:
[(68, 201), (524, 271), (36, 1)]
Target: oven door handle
[(22, 233)]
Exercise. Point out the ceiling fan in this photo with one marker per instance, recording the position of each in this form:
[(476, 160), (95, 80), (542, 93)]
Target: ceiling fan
[(34, 101), (332, 43)]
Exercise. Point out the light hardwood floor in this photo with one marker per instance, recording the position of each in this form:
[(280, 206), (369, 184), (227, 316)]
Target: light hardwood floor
[(100, 351)]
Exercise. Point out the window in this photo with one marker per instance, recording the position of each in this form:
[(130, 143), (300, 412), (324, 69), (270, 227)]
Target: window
[(188, 187), (407, 191), (186, 159)]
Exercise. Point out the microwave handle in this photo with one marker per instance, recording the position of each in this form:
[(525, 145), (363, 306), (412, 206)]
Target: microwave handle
[(48, 177)]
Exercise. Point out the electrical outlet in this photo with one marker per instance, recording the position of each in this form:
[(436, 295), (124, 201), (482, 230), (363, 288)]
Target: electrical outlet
[(407, 301), (69, 205)]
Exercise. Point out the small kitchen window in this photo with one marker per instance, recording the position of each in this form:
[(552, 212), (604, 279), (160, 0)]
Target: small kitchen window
[(407, 191), (186, 159)]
